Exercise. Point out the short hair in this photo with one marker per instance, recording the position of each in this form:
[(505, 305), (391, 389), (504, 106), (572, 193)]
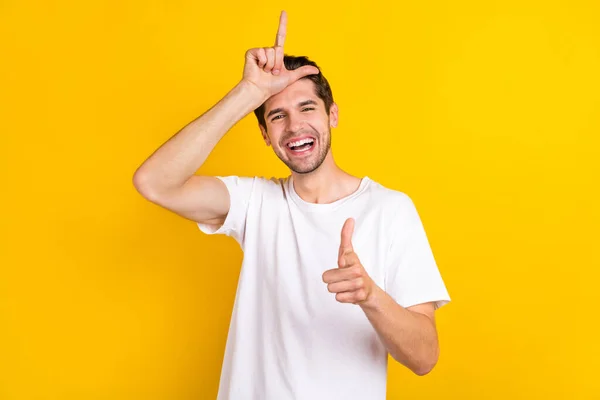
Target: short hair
[(322, 88)]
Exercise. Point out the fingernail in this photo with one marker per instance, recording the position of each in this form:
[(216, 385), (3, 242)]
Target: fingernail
[(276, 72)]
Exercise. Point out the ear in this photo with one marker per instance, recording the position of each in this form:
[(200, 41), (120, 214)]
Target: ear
[(333, 115), (265, 135)]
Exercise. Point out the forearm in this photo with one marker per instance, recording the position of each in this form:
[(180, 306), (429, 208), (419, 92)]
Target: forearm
[(410, 337), (172, 164)]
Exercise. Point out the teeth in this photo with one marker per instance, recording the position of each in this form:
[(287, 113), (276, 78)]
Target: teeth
[(300, 142)]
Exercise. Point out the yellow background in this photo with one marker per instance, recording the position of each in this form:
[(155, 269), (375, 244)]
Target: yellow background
[(485, 113)]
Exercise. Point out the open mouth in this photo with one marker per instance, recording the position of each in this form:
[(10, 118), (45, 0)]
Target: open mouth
[(301, 146)]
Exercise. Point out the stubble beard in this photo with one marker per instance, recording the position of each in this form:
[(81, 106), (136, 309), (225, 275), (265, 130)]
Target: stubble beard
[(303, 167)]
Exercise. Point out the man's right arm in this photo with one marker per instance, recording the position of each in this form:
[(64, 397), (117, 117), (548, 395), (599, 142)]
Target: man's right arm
[(167, 177)]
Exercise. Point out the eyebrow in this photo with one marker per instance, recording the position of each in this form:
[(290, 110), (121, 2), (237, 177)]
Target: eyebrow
[(301, 104)]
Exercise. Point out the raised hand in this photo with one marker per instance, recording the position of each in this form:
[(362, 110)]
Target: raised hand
[(350, 281), (264, 65)]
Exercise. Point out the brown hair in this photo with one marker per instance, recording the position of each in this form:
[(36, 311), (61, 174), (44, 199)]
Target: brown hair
[(322, 88)]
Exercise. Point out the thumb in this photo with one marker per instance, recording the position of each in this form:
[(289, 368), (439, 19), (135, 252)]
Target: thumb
[(303, 71), (346, 242)]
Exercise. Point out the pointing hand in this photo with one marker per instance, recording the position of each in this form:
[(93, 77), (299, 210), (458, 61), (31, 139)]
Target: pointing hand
[(350, 281)]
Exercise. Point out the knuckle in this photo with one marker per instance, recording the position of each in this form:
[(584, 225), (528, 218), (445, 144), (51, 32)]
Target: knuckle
[(359, 283), (261, 57), (360, 295)]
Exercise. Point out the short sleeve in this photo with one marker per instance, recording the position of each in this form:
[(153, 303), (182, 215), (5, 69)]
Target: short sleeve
[(412, 275), (240, 192)]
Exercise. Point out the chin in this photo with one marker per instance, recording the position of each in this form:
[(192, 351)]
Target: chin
[(304, 168)]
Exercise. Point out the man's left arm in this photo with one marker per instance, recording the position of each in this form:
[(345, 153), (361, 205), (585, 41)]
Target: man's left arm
[(409, 334)]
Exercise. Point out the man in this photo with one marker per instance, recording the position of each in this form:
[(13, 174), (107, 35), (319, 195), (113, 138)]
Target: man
[(337, 270)]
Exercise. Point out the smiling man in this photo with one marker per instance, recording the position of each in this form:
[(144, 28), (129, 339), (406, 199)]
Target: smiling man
[(337, 270)]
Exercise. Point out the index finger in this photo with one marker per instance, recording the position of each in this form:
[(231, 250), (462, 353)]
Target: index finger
[(280, 38)]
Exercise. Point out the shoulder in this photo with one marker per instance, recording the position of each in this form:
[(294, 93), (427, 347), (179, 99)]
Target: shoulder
[(255, 185), (396, 201), (397, 209), (258, 181), (274, 185)]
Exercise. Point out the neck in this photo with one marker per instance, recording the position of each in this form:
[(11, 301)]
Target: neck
[(326, 184)]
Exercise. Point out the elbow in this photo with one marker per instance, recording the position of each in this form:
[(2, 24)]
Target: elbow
[(143, 184), (427, 365), (423, 370)]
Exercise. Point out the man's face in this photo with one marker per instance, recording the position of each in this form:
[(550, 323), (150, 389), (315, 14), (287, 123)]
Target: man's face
[(298, 127)]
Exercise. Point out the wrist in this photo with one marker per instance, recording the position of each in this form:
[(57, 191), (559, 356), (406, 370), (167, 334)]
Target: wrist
[(252, 90), (373, 300)]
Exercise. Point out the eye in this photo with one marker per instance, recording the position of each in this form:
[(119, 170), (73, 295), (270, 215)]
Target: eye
[(276, 117), (308, 108)]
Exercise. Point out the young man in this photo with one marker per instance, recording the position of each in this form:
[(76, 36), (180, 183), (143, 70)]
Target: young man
[(337, 270)]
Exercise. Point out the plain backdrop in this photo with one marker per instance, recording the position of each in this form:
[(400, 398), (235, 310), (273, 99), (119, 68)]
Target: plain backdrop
[(485, 113)]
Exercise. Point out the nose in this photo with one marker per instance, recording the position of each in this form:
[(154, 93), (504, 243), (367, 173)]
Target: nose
[(295, 122)]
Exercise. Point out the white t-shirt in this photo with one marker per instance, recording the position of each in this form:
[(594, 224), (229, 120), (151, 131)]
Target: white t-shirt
[(289, 338)]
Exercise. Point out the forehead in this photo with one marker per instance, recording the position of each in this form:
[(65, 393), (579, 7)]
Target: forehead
[(302, 89)]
